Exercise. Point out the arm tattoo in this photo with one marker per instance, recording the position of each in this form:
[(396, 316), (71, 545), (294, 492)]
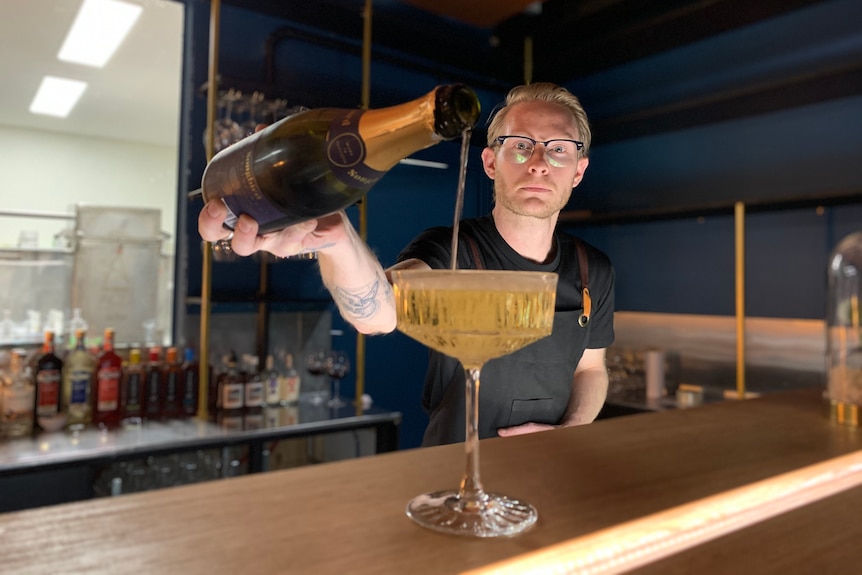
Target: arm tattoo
[(361, 302)]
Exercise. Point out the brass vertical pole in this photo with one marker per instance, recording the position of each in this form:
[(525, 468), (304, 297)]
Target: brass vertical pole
[(206, 266), (739, 233), (528, 60), (363, 205)]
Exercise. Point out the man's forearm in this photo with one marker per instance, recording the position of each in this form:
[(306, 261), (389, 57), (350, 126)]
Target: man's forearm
[(589, 390), (358, 284)]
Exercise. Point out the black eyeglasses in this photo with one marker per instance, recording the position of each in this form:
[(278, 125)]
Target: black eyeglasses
[(559, 152)]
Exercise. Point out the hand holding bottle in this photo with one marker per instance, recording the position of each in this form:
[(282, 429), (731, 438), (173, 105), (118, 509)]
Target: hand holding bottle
[(309, 236)]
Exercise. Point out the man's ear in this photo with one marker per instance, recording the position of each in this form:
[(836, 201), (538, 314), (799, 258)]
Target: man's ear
[(489, 162), (579, 174)]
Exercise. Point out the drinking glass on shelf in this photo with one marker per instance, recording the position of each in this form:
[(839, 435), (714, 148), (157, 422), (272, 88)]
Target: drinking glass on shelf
[(473, 316), (316, 365), (337, 366)]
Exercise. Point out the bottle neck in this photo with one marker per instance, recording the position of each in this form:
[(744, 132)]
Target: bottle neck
[(393, 133)]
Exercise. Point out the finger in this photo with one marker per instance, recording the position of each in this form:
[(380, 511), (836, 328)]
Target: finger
[(210, 221), (245, 238)]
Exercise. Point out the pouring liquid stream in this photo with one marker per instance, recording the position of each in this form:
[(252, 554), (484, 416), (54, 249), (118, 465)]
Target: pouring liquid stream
[(459, 199)]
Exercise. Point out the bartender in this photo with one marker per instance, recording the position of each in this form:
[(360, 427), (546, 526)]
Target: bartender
[(537, 153)]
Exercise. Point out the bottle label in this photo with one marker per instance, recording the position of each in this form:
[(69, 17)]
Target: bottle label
[(47, 392), (254, 394), (345, 151), (108, 398), (273, 389), (237, 186), (232, 397), (133, 388), (17, 402), (80, 387)]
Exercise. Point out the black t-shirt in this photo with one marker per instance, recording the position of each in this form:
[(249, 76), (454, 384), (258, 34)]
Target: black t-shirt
[(501, 406)]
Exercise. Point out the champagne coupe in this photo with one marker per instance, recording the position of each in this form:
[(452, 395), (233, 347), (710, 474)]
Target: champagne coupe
[(337, 366), (473, 316)]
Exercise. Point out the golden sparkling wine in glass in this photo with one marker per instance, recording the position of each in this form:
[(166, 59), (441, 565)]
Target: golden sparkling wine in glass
[(474, 316)]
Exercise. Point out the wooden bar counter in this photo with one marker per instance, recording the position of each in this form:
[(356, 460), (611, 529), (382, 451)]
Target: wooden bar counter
[(348, 517)]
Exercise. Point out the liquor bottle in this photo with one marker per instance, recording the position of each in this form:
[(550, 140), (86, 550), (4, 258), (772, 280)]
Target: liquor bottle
[(172, 384), (133, 388), (191, 381), (106, 395), (49, 382), (320, 161), (231, 395), (153, 385), (17, 396), (290, 382), (272, 382), (78, 384), (253, 385)]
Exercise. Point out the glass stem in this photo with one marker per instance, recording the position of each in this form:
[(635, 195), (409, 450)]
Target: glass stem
[(471, 493)]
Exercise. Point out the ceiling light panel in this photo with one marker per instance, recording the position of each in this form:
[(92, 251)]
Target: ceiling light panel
[(99, 29), (57, 96)]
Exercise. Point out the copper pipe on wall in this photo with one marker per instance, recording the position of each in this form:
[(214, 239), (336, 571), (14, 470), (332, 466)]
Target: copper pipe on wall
[(206, 265), (739, 234), (363, 205)]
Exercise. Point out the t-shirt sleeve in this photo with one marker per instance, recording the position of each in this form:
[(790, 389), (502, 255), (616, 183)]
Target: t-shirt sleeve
[(433, 246), (602, 294)]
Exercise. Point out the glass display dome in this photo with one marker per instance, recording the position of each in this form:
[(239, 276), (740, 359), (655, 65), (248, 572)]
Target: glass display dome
[(843, 331)]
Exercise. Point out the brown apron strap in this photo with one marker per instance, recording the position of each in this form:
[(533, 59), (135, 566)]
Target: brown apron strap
[(583, 266), (474, 252)]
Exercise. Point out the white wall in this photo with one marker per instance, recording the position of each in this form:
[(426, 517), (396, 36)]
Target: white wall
[(50, 172)]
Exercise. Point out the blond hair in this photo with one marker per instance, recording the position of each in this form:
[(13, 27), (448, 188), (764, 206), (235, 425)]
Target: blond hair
[(543, 92)]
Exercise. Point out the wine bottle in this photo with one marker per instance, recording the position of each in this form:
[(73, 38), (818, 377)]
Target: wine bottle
[(49, 382), (319, 161), (78, 384), (106, 395), (132, 390)]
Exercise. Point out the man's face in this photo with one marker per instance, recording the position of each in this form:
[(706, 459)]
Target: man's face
[(536, 188)]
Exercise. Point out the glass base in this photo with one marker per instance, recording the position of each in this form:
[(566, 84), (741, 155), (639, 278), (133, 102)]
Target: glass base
[(336, 401), (492, 515)]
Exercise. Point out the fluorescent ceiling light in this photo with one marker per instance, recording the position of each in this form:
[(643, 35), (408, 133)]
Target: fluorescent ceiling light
[(57, 96), (98, 30)]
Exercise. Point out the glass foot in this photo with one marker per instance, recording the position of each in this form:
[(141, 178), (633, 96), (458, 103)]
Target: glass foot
[(491, 515), (336, 401)]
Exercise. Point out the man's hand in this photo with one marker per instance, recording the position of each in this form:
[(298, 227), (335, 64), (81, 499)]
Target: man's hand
[(310, 236), (523, 429)]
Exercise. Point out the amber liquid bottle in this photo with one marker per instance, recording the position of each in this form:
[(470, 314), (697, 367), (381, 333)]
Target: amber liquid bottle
[(153, 386), (106, 394), (49, 382), (172, 385), (191, 381), (132, 388), (320, 161)]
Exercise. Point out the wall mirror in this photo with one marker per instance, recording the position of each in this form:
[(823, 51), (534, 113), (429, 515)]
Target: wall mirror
[(89, 198)]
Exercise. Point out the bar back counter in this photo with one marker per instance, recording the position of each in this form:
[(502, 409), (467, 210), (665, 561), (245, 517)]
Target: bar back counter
[(348, 516)]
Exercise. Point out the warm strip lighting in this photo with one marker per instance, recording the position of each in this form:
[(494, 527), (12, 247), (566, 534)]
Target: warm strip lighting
[(98, 30), (639, 542), (57, 96)]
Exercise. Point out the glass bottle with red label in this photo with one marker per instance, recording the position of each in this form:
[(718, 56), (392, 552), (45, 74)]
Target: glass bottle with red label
[(106, 394)]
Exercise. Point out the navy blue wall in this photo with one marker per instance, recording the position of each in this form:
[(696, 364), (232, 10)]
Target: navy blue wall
[(681, 265)]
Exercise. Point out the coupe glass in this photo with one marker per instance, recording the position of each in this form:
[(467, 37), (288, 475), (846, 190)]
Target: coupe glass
[(474, 316)]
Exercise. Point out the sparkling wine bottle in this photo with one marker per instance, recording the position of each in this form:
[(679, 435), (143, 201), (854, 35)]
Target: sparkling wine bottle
[(320, 161)]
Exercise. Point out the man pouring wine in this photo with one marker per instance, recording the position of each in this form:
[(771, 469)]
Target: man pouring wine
[(536, 154)]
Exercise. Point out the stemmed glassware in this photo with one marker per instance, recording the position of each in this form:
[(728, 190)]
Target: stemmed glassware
[(337, 366), (473, 316), (316, 365)]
